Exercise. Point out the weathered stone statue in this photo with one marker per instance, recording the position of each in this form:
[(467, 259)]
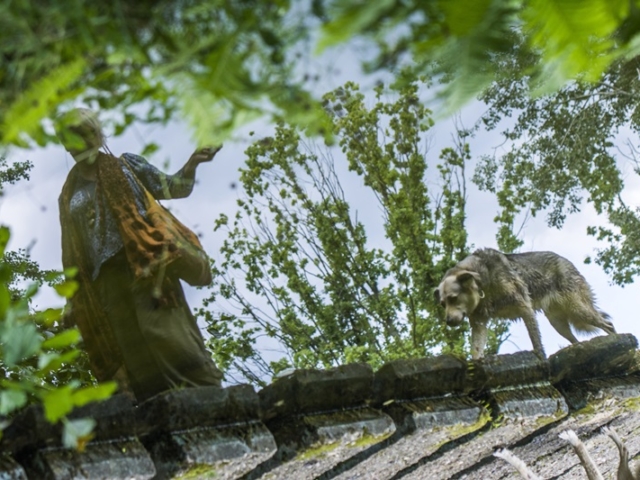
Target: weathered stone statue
[(130, 253)]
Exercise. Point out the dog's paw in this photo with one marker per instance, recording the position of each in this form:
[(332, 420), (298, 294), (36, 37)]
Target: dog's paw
[(570, 436), (503, 453)]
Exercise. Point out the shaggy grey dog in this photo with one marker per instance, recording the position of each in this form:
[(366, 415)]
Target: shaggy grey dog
[(490, 284)]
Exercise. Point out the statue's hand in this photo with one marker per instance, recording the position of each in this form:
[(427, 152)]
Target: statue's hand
[(204, 154)]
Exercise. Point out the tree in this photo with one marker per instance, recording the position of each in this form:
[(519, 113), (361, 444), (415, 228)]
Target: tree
[(39, 359), (320, 288), (458, 39), (221, 64), (564, 149), (218, 63)]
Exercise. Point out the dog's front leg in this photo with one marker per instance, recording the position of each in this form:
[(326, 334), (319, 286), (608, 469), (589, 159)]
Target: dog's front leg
[(478, 337), (534, 333)]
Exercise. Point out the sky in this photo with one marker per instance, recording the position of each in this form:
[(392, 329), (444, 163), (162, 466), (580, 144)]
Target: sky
[(30, 208)]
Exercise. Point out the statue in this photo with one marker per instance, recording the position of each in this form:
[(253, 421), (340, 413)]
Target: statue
[(131, 253)]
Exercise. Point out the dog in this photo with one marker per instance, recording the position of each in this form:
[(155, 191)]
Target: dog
[(491, 284)]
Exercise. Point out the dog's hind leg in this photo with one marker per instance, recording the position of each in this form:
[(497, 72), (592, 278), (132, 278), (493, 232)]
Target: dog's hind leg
[(524, 471), (560, 321), (531, 323), (576, 309), (604, 322)]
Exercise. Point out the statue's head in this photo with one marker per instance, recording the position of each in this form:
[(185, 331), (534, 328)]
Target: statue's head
[(80, 132)]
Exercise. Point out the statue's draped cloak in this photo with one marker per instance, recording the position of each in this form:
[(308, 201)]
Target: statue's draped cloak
[(118, 213)]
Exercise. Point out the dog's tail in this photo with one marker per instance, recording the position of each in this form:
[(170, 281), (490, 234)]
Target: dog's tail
[(606, 321), (596, 321)]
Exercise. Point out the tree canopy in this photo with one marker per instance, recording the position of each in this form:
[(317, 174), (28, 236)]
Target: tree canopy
[(217, 63), (220, 64), (40, 359), (563, 149), (331, 297), (459, 39), (299, 267)]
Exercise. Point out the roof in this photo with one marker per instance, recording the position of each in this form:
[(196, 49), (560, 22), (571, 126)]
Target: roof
[(431, 418)]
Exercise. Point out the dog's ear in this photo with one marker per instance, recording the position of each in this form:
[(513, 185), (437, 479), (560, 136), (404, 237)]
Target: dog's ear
[(436, 295), (467, 275)]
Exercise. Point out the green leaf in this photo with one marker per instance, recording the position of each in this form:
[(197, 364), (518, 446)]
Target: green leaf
[(5, 234), (46, 358), (51, 361), (77, 433), (20, 340), (67, 288), (85, 395), (57, 403), (149, 149), (213, 119), (31, 290), (352, 20), (575, 36), (5, 300), (6, 272), (38, 101), (11, 400), (63, 339), (24, 385), (49, 316), (463, 16), (70, 272)]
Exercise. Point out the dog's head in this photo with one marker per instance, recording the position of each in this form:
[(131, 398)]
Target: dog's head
[(459, 294)]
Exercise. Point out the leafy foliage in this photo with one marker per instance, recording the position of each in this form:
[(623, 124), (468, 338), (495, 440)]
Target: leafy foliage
[(221, 64), (22, 272), (10, 174), (321, 290), (458, 39), (39, 359), (563, 149), (34, 354), (218, 63)]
